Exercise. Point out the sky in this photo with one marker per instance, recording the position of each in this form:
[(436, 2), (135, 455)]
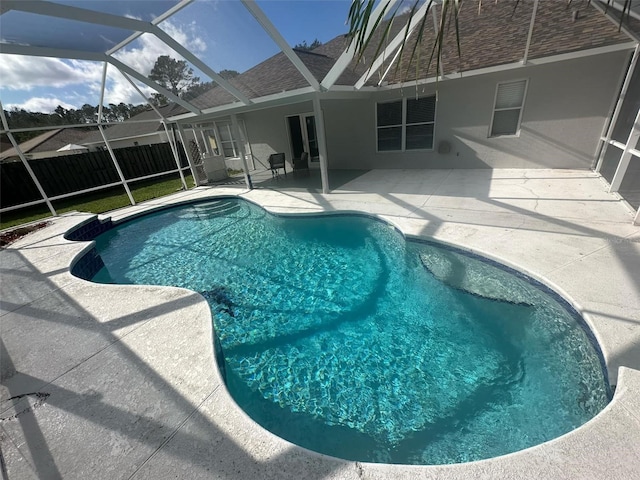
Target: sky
[(222, 33)]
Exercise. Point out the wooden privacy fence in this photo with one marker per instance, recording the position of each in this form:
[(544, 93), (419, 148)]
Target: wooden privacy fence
[(82, 171)]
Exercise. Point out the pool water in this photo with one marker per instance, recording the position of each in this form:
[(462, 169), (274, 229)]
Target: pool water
[(339, 335)]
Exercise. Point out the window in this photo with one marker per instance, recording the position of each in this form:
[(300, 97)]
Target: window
[(227, 142), (507, 111), (216, 138), (406, 124), (390, 126)]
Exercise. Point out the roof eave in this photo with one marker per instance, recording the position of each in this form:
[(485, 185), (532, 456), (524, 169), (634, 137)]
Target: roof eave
[(306, 93), (508, 66)]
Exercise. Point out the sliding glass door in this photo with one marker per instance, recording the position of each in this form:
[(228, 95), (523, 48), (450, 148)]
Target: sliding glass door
[(303, 137)]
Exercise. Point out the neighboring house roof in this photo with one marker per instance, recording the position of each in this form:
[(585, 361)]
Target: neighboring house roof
[(5, 144), (495, 35), (65, 137), (128, 129), (49, 141), (52, 140), (29, 145)]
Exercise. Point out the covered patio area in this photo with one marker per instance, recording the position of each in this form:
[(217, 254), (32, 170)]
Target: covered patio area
[(115, 381), (308, 180)]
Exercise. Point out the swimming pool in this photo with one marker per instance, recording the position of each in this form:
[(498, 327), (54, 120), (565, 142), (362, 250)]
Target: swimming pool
[(340, 336)]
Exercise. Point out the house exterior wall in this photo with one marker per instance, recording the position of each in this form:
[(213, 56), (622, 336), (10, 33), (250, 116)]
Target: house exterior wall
[(268, 132), (159, 137), (565, 109)]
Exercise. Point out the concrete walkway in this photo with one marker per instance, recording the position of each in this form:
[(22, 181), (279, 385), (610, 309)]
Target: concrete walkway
[(106, 381)]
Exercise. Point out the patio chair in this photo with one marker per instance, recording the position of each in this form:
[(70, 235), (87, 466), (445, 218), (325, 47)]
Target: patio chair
[(301, 164), (276, 162)]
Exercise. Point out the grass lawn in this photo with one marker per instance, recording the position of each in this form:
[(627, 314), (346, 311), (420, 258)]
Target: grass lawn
[(98, 202)]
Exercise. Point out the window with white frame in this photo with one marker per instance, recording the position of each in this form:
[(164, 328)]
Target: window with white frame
[(406, 124), (227, 142), (216, 138), (507, 110)]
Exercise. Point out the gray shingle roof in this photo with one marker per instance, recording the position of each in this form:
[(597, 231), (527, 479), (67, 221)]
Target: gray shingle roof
[(49, 141), (29, 145), (498, 34), (129, 129), (64, 137), (274, 75)]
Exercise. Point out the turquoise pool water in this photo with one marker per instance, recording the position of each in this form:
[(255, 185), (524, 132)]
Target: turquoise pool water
[(339, 335)]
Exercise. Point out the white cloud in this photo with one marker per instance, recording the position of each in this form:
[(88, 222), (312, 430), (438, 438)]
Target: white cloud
[(404, 10), (41, 104), (25, 73), (20, 72), (143, 55), (148, 48), (119, 89)]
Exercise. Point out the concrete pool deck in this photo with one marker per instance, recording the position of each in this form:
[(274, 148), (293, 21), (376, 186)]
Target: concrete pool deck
[(110, 381)]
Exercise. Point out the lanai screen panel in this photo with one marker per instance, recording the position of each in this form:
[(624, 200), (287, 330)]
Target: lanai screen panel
[(24, 28), (229, 38), (303, 22)]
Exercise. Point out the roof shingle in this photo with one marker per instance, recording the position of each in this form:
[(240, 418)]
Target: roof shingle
[(493, 35)]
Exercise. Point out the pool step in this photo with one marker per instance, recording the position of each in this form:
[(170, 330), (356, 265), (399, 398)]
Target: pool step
[(89, 230), (472, 277), (212, 209)]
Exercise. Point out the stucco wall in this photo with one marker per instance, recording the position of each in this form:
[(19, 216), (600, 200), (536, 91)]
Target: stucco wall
[(268, 132), (564, 114)]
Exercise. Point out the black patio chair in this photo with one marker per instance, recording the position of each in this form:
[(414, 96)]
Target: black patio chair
[(276, 162), (301, 165)]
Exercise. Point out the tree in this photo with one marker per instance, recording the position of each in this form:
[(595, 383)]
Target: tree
[(228, 74), (307, 48), (198, 89), (20, 118), (174, 75), (89, 113)]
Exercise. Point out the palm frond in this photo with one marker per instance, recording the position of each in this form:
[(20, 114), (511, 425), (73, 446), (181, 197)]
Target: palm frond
[(407, 32), (361, 36)]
